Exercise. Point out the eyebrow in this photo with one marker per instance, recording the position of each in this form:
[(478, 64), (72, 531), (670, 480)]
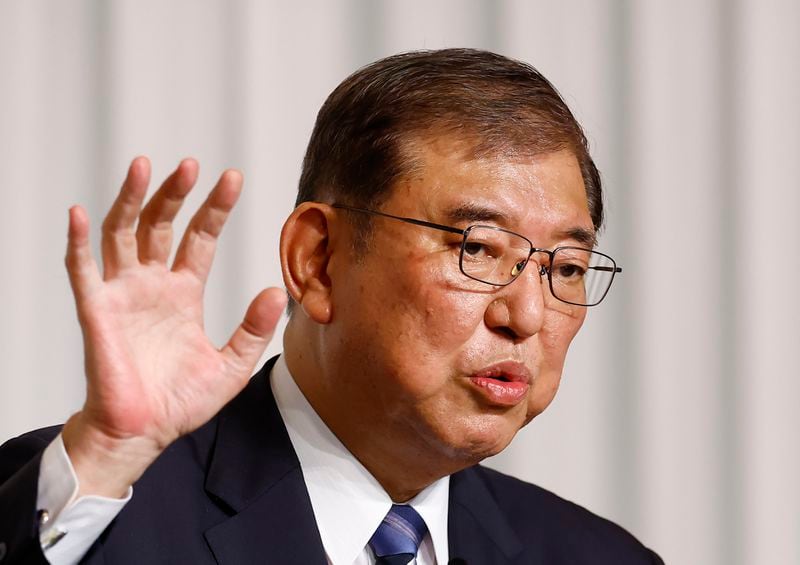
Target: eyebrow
[(587, 238), (470, 212)]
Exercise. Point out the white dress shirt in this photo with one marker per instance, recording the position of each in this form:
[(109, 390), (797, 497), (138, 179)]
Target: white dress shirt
[(348, 502), (71, 524)]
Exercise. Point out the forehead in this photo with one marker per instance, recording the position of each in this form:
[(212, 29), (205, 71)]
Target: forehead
[(542, 196)]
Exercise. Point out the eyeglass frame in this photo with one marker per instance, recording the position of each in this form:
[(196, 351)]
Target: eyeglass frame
[(614, 269)]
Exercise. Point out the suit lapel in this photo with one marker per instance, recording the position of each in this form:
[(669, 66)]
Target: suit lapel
[(478, 531), (255, 473)]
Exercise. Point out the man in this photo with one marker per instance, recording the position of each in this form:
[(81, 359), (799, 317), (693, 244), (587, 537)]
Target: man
[(439, 262)]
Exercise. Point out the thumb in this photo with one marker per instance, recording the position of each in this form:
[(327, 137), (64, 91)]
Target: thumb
[(256, 330)]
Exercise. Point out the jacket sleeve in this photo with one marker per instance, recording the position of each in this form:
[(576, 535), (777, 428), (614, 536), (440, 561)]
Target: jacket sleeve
[(19, 480)]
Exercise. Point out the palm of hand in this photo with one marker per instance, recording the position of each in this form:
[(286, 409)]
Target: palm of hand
[(151, 370)]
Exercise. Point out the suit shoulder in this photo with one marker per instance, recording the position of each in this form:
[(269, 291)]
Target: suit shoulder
[(568, 527)]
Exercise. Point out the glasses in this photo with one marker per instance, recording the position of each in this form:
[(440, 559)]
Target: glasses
[(496, 256)]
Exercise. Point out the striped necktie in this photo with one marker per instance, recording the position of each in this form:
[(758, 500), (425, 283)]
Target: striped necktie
[(397, 539)]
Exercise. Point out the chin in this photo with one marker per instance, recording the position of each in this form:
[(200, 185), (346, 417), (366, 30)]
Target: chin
[(479, 438)]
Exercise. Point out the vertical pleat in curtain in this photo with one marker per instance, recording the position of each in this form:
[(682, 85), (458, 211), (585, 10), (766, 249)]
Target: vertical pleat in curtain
[(676, 413)]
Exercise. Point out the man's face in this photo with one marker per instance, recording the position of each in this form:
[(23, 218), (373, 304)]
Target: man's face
[(430, 359)]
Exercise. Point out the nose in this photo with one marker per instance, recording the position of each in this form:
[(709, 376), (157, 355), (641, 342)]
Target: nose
[(518, 308)]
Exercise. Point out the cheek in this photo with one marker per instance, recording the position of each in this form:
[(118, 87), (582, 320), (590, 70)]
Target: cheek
[(557, 333), (439, 317), (430, 320)]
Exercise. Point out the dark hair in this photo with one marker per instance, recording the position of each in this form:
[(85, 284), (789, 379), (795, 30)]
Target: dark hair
[(359, 147)]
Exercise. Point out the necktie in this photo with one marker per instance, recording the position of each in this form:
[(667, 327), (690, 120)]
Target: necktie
[(397, 539)]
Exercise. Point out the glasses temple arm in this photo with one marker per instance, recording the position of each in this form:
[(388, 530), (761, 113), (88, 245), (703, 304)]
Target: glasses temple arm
[(414, 221)]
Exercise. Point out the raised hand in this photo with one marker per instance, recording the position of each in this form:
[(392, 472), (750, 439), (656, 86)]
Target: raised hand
[(152, 373)]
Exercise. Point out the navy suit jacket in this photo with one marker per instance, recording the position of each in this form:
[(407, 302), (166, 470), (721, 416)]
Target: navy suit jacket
[(232, 493)]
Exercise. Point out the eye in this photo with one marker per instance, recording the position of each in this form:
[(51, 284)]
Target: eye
[(567, 271), (485, 246), (475, 249)]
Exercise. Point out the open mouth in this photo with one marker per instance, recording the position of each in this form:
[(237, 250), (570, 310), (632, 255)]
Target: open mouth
[(507, 372), (501, 378), (503, 384)]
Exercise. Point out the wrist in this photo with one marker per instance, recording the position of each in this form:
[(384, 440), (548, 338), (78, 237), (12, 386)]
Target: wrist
[(105, 465)]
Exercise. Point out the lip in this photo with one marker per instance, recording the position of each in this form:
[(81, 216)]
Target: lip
[(503, 384)]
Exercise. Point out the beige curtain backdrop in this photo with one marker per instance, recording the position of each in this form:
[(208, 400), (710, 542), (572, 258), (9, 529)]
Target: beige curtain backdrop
[(677, 416)]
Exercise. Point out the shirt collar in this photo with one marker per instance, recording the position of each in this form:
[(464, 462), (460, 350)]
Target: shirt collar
[(349, 503)]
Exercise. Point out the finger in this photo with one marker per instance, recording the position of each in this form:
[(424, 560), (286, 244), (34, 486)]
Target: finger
[(154, 232), (81, 267), (119, 240), (256, 330), (196, 251)]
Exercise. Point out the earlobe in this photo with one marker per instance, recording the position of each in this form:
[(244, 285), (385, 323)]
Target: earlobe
[(305, 251)]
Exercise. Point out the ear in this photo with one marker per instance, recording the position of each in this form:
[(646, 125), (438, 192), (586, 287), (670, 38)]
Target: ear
[(306, 246)]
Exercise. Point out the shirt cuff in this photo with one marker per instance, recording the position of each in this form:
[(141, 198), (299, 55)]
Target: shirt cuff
[(68, 525)]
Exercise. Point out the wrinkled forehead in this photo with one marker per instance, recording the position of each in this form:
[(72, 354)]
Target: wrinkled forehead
[(448, 182)]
